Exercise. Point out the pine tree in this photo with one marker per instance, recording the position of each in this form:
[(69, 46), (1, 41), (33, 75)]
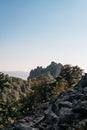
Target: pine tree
[(3, 81)]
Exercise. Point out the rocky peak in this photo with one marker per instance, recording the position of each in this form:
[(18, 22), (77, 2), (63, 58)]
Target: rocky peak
[(53, 68)]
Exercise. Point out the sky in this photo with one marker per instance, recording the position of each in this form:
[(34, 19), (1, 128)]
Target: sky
[(35, 32)]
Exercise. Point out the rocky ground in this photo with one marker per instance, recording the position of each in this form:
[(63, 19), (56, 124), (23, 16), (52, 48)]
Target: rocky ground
[(67, 112)]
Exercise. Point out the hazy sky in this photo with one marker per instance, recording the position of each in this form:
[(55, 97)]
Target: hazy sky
[(36, 32)]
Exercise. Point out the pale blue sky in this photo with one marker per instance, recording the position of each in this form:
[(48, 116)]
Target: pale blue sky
[(36, 32)]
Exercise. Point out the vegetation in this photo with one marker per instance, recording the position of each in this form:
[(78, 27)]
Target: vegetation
[(18, 97), (68, 78), (72, 74), (3, 82), (43, 90), (5, 108), (9, 98)]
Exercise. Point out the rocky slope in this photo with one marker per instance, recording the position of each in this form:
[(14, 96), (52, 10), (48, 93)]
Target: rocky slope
[(67, 112), (54, 69)]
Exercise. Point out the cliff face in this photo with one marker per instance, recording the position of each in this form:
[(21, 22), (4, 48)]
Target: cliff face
[(54, 69), (67, 112)]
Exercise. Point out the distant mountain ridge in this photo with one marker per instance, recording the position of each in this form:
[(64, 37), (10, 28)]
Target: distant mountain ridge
[(54, 69), (19, 74)]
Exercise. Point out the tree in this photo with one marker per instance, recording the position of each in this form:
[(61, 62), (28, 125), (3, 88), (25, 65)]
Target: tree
[(62, 85), (68, 78), (41, 92), (72, 74), (3, 81), (7, 109), (44, 90)]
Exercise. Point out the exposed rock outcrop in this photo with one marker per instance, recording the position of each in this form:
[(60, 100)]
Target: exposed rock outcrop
[(67, 112), (54, 69)]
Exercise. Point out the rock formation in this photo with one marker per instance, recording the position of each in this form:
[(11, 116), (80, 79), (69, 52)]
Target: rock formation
[(67, 112), (54, 69)]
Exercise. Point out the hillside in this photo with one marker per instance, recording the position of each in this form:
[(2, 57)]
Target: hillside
[(19, 97), (67, 112), (17, 88)]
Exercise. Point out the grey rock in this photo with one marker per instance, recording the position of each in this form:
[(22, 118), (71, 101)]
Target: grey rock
[(66, 116), (23, 126), (39, 119), (81, 108), (85, 89), (54, 69), (65, 104)]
